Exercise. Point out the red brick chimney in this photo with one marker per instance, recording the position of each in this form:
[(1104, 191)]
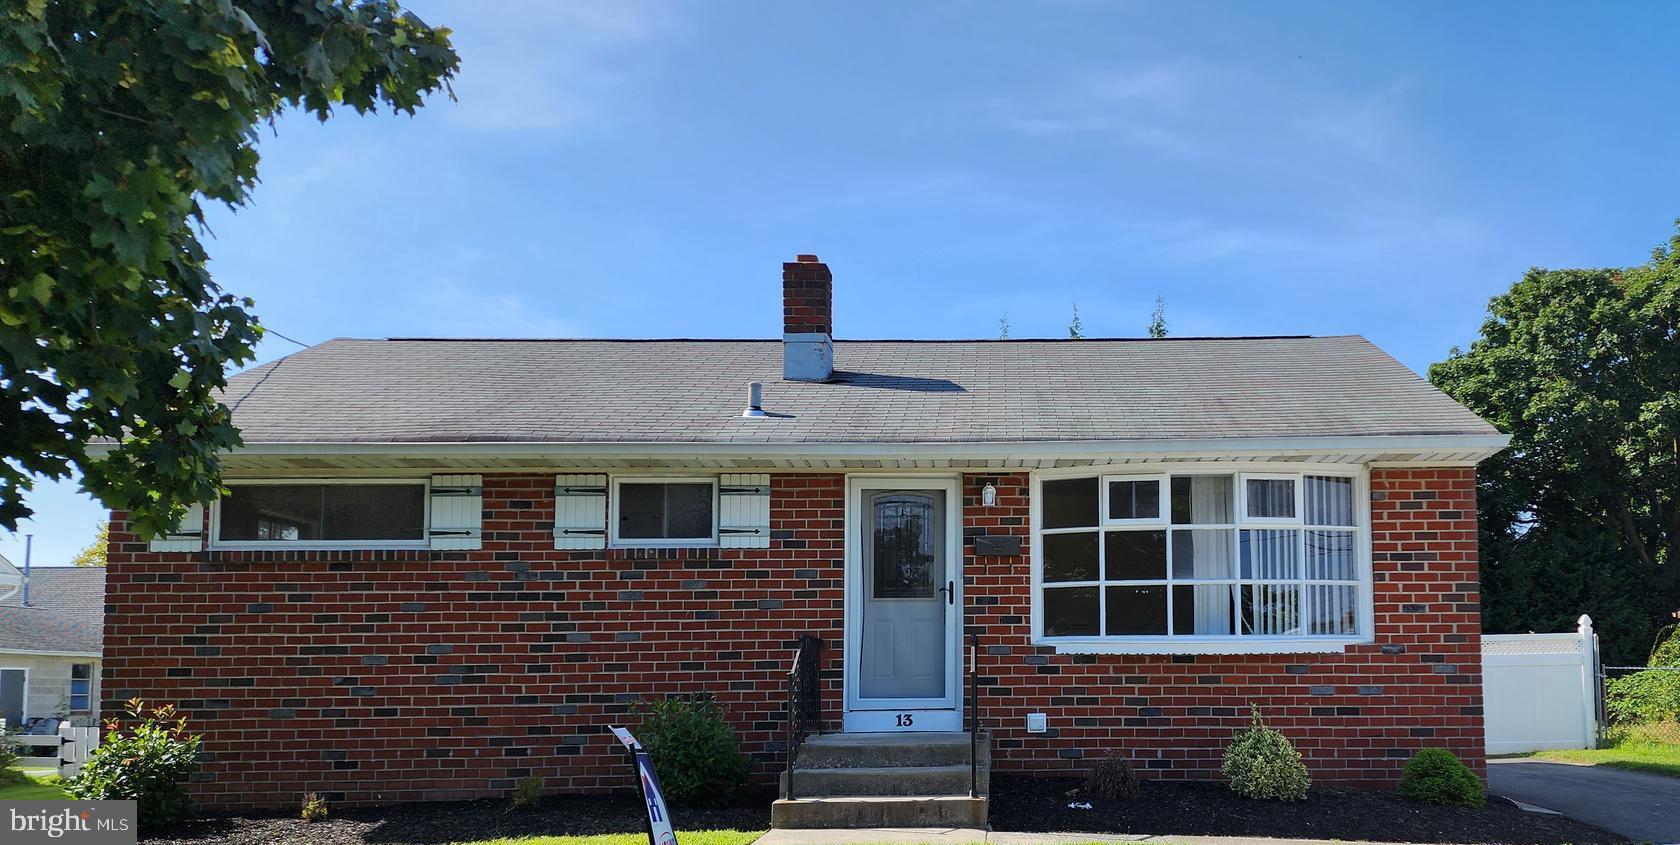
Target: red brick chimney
[(807, 320)]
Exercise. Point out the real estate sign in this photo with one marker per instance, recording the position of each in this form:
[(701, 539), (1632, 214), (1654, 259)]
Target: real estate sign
[(659, 819)]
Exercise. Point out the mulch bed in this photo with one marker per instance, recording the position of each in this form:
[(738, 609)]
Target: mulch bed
[(1019, 803), (1203, 808), (433, 823)]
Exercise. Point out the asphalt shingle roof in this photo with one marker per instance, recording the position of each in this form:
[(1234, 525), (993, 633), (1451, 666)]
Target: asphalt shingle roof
[(692, 391), (66, 612)]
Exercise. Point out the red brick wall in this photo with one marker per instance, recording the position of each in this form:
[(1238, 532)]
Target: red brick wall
[(392, 676), (387, 676), (1356, 716)]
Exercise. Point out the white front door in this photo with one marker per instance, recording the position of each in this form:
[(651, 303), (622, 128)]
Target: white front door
[(903, 604)]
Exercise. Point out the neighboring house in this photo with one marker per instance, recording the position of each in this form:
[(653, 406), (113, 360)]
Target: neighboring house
[(50, 648), (445, 565)]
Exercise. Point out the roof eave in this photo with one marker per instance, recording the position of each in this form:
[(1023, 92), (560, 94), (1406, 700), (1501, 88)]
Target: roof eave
[(1466, 449), (46, 653)]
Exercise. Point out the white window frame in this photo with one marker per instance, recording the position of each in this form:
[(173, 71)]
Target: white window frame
[(615, 500), (1242, 498), (423, 482), (1163, 503), (93, 672), (1235, 643)]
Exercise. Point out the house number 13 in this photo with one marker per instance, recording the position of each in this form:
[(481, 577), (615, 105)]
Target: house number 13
[(905, 720)]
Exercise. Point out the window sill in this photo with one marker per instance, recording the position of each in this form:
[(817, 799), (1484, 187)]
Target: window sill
[(664, 544), (319, 545), (1187, 646)]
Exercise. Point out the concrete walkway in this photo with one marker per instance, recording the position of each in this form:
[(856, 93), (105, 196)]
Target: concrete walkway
[(969, 836), (1644, 808)]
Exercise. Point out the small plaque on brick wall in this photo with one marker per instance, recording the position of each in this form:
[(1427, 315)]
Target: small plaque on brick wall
[(997, 545)]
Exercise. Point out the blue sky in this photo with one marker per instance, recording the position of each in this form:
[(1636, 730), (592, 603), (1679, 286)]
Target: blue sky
[(640, 169)]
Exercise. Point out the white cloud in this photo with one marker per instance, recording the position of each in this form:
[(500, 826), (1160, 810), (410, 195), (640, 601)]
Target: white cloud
[(1143, 106), (1195, 110), (550, 66), (448, 308)]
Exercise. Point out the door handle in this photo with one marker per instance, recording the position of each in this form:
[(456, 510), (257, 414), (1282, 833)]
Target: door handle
[(950, 591)]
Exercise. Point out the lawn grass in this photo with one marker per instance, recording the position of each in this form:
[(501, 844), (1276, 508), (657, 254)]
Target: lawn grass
[(1638, 749), (686, 837), (32, 790)]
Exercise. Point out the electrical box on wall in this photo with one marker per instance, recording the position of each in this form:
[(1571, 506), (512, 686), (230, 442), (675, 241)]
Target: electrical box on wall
[(1037, 723)]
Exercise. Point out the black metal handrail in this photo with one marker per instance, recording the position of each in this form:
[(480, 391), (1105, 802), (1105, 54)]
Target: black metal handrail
[(973, 715), (804, 706)]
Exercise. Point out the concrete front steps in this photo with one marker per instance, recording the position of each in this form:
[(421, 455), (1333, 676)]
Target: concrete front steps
[(916, 779)]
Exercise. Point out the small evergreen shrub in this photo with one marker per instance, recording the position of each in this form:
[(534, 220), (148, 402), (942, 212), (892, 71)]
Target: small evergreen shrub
[(693, 749), (314, 808), (1260, 763), (146, 760), (9, 773), (527, 793), (1112, 779), (1436, 776)]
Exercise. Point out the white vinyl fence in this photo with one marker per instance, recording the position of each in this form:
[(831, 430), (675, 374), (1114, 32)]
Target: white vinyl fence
[(77, 748), (74, 746), (1540, 691)]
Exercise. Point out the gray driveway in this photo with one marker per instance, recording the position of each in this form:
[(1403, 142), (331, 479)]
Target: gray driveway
[(1644, 808)]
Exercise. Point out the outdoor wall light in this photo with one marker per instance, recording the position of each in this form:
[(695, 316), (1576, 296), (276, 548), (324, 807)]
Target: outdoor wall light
[(988, 495)]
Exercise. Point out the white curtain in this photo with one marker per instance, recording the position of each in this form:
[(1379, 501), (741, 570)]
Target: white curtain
[(1329, 500), (1210, 502), (1273, 555), (1271, 497)]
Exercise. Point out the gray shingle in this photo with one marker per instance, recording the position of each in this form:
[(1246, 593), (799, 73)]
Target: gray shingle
[(66, 612), (582, 391)]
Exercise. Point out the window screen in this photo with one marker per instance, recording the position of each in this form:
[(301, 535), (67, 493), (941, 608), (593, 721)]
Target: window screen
[(316, 512), (665, 511)]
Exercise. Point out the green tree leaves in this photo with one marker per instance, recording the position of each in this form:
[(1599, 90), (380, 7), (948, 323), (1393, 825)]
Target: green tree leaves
[(1582, 513), (117, 120)]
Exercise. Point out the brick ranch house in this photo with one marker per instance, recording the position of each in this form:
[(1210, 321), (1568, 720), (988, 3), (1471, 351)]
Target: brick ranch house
[(444, 565)]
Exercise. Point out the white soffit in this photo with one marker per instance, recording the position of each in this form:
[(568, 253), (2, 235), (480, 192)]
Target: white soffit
[(1461, 450)]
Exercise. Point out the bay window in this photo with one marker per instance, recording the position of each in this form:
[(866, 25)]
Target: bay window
[(1201, 560)]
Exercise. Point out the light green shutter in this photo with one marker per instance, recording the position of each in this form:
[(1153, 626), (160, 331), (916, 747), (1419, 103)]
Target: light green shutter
[(580, 512), (744, 511), (457, 505), (188, 535)]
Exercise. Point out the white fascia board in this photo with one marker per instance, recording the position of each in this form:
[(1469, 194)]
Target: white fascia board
[(92, 655), (1486, 444)]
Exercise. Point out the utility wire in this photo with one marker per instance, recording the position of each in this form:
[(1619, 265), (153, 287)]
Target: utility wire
[(267, 330)]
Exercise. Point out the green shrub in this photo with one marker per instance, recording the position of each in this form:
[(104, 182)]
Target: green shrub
[(693, 748), (1665, 651), (1112, 779), (148, 762), (527, 793), (1260, 763), (1644, 697), (1435, 776), (9, 773), (314, 808)]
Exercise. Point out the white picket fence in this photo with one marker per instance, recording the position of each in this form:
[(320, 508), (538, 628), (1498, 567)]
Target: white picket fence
[(74, 745), (1540, 691)]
